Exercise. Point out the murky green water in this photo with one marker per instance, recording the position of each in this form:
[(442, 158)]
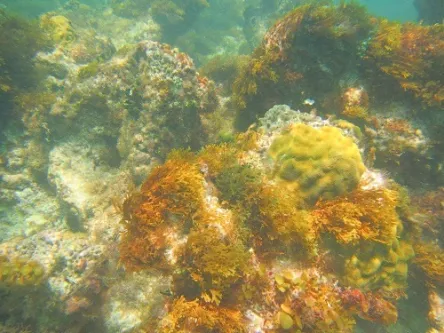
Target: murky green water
[(221, 166)]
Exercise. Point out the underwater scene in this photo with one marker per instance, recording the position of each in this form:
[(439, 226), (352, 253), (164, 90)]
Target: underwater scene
[(221, 166)]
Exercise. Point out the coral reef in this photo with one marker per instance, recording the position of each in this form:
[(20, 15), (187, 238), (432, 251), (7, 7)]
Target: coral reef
[(70, 266), (57, 27), (133, 300), (430, 259), (20, 40), (18, 272), (436, 315), (355, 103), (369, 306), (26, 206), (230, 240), (109, 23), (367, 223), (130, 204), (190, 316), (337, 60), (430, 213), (393, 137), (311, 302), (231, 237), (410, 55), (166, 103), (63, 175), (158, 212), (280, 117), (405, 147), (319, 163), (428, 247), (380, 267), (361, 215), (320, 41)]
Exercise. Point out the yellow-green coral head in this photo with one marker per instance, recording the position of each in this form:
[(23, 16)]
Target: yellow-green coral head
[(59, 28), (318, 163), (20, 272)]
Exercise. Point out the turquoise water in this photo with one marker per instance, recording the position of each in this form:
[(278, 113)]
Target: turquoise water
[(221, 166), (400, 10)]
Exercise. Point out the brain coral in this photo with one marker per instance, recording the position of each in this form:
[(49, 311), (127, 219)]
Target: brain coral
[(318, 163), (380, 266)]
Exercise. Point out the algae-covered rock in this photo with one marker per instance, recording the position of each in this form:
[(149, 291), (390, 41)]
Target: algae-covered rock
[(136, 106), (302, 55), (436, 313), (362, 215), (394, 50), (20, 272), (133, 300), (58, 27), (319, 163), (311, 301), (430, 259), (20, 40)]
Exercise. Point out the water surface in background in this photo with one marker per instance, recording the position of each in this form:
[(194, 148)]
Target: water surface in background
[(401, 10)]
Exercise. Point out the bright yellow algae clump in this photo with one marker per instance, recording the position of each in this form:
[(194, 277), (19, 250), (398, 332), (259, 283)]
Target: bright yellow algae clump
[(215, 223), (430, 259), (412, 55), (367, 223), (58, 27), (214, 263), (360, 215), (318, 163), (165, 205), (191, 316), (280, 223)]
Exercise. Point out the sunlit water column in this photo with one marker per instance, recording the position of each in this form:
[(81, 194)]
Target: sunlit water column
[(400, 10)]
